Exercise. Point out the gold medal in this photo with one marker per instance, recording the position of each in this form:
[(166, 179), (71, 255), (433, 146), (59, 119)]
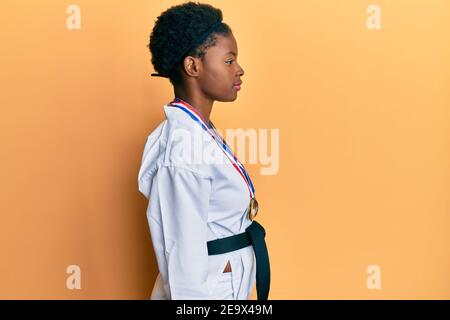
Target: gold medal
[(253, 209)]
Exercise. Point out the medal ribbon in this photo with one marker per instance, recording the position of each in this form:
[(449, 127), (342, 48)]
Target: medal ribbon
[(195, 115)]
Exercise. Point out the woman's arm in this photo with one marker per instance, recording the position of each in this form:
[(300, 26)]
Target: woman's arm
[(177, 215)]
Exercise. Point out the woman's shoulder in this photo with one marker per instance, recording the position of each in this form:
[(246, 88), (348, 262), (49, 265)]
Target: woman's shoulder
[(167, 146), (178, 143), (187, 146)]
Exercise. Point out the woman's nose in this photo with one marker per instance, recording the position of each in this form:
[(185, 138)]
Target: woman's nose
[(241, 71)]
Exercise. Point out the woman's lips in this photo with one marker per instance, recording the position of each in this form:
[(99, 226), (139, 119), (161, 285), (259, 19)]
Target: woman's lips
[(237, 86)]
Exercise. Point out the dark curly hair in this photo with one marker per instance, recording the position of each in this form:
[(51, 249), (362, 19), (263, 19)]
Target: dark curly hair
[(175, 31)]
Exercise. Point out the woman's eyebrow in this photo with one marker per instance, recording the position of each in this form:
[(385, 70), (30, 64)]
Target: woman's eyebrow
[(232, 52)]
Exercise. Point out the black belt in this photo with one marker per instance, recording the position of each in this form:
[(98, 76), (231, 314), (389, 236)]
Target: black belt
[(254, 236)]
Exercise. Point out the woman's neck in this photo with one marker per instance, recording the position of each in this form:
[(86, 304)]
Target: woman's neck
[(200, 103)]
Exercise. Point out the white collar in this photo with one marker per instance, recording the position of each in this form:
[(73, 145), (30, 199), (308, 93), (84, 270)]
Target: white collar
[(174, 113)]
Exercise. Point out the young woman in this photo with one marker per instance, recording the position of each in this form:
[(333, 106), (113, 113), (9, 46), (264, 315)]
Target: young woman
[(201, 200)]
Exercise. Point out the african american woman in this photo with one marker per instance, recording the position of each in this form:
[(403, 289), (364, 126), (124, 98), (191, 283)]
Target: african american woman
[(202, 201)]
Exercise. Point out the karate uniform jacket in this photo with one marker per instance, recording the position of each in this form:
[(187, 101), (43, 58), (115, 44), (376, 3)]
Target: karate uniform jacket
[(195, 195)]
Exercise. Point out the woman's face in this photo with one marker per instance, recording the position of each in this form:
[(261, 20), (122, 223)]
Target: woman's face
[(220, 71)]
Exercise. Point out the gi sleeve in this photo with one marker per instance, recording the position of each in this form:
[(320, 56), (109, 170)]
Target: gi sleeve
[(178, 224)]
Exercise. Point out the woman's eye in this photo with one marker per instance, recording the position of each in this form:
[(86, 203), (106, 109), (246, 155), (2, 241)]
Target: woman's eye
[(229, 61)]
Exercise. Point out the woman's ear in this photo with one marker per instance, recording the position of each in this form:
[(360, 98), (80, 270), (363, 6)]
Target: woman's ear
[(191, 66)]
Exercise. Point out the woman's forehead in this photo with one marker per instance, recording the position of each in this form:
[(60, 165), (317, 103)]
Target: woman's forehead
[(225, 45)]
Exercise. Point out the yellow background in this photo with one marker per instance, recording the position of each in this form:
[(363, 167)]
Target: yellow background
[(364, 120)]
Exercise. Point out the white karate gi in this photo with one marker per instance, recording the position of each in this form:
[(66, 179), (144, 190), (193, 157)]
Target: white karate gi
[(191, 203)]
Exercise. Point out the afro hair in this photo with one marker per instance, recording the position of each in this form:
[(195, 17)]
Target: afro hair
[(175, 31)]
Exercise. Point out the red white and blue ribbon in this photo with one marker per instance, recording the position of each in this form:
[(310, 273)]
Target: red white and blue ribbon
[(195, 115)]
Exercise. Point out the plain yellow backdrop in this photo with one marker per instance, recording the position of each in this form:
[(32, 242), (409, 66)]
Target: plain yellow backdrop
[(364, 122)]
